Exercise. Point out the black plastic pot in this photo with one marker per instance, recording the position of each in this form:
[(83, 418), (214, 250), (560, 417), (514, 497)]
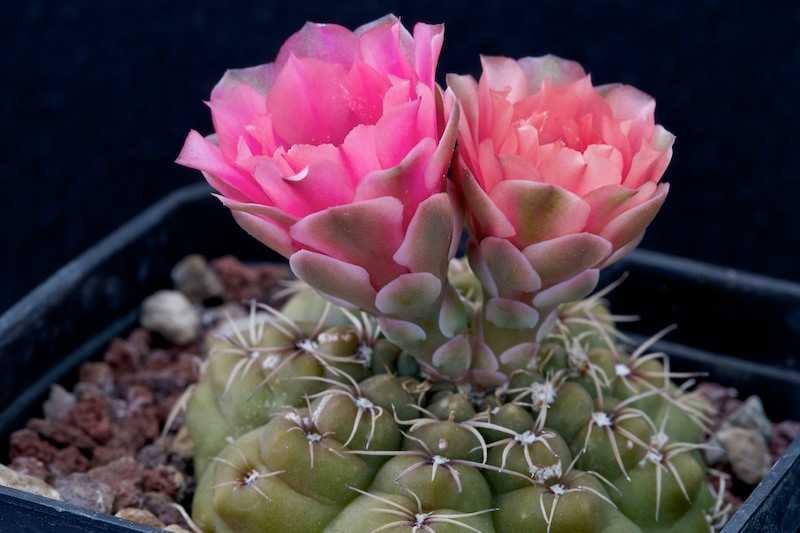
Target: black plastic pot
[(70, 318)]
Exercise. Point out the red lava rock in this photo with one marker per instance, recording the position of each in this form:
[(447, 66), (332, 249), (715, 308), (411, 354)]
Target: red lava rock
[(80, 489), (152, 455), (62, 432), (69, 460), (164, 478), (28, 443), (98, 373), (142, 412), (124, 476), (783, 434), (158, 359), (30, 466), (102, 455), (91, 416), (122, 357), (126, 436), (161, 505), (59, 403), (243, 282)]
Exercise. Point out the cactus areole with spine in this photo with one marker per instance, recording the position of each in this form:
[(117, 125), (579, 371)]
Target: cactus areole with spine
[(404, 388)]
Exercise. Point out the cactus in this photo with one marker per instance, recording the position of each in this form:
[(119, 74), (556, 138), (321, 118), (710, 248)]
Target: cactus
[(318, 423), (429, 392)]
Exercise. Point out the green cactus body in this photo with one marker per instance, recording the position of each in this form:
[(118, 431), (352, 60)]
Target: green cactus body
[(339, 432)]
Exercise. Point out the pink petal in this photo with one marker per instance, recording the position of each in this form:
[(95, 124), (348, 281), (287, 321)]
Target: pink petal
[(261, 78), (328, 42), (567, 291), (611, 201), (360, 152), (278, 216), (410, 296), (559, 259), (551, 68), (405, 181), (632, 222), (505, 76), (428, 41), (332, 277), (401, 332), (603, 167), (488, 217), (231, 111), (364, 233), (266, 231), (388, 48), (511, 314), (396, 133), (540, 211), (453, 358), (365, 88), (631, 105), (652, 160), (508, 266), (439, 163), (428, 237), (325, 183), (200, 154), (308, 103), (564, 168), (465, 90)]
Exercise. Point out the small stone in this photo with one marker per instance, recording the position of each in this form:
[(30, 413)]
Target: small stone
[(62, 432), (140, 516), (91, 416), (750, 415), (747, 452), (69, 460), (24, 482), (58, 404), (175, 528), (783, 434), (30, 466), (28, 443), (98, 373), (195, 278), (164, 478), (80, 489), (124, 476), (162, 506), (715, 453), (172, 315)]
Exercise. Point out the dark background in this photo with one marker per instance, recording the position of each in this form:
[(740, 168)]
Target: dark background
[(97, 97)]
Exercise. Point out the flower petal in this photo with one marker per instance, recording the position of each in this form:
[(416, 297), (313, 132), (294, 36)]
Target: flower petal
[(428, 237), (334, 278), (540, 211), (562, 258), (365, 233), (409, 296)]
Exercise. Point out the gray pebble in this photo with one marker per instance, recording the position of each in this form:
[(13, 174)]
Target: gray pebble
[(748, 453), (80, 489), (195, 278), (750, 415), (58, 404), (172, 315)]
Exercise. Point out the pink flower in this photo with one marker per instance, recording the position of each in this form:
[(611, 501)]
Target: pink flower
[(559, 178), (335, 156)]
